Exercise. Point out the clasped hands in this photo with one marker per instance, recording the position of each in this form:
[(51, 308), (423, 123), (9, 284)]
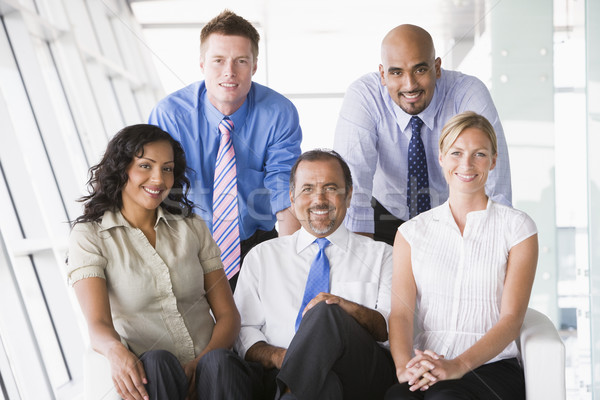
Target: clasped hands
[(427, 368)]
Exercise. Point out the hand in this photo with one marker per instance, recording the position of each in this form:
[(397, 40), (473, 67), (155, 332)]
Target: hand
[(428, 368), (128, 374), (327, 298), (190, 373)]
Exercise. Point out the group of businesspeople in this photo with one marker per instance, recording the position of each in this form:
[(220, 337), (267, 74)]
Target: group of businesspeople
[(399, 269)]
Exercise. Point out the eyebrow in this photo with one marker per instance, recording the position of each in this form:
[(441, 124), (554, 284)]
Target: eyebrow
[(421, 64), (154, 161)]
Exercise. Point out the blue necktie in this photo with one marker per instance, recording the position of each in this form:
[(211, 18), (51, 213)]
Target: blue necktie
[(318, 277), (417, 192)]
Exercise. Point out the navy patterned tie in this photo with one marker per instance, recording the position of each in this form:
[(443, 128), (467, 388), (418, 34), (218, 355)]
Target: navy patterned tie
[(318, 278), (417, 192)]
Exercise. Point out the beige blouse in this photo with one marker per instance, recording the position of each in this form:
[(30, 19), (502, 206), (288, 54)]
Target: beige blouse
[(156, 295)]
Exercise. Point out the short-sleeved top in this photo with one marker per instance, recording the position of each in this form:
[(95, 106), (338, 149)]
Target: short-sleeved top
[(266, 138), (373, 133), (272, 282), (460, 278), (156, 294)]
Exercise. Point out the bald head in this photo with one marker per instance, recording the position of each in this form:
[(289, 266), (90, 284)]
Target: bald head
[(409, 68), (407, 35)]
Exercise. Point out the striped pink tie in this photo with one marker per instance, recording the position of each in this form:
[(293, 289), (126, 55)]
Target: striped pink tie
[(226, 230)]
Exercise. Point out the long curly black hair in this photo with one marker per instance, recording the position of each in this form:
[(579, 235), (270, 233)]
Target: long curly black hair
[(108, 178)]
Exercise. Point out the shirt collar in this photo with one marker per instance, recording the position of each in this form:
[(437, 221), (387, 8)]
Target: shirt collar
[(338, 238), (215, 116), (112, 219), (443, 213)]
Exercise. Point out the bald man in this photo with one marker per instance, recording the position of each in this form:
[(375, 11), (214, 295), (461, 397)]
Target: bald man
[(374, 133)]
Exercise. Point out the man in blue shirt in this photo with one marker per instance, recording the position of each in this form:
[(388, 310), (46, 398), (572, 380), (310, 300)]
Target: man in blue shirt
[(374, 130), (265, 133)]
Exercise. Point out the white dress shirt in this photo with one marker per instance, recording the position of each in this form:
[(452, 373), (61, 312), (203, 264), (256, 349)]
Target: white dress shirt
[(373, 133), (460, 278), (271, 284)]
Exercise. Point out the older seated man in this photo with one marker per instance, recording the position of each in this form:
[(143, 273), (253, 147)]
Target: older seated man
[(314, 305)]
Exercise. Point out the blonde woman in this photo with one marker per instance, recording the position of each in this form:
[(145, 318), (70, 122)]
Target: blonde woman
[(466, 269)]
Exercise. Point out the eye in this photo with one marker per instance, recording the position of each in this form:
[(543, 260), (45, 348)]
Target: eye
[(480, 154), (145, 165), (168, 169), (421, 70), (455, 153), (306, 190), (396, 73), (331, 189)]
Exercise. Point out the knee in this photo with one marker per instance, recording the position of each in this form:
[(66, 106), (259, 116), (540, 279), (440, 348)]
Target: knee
[(158, 357), (215, 358)]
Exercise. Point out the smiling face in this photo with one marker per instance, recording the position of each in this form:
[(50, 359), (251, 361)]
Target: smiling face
[(228, 65), (319, 196), (468, 161), (409, 68), (150, 178)]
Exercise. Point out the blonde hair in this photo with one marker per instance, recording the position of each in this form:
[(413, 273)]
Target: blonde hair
[(457, 124)]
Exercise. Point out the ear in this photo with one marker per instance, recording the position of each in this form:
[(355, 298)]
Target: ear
[(382, 74), (255, 66), (349, 197), (438, 68), (291, 197), (494, 162), (440, 157)]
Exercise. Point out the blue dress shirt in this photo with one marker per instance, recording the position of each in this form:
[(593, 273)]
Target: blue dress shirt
[(373, 133), (266, 139)]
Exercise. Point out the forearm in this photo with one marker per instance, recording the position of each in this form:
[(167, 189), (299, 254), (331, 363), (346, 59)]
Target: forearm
[(224, 333), (288, 223), (401, 341), (267, 355), (369, 319), (491, 344)]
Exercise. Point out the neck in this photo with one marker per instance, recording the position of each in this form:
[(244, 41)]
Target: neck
[(140, 218), (462, 204)]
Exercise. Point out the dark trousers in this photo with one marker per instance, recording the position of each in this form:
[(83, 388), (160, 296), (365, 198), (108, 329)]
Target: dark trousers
[(258, 237), (220, 374), (386, 225), (333, 357), (501, 380)]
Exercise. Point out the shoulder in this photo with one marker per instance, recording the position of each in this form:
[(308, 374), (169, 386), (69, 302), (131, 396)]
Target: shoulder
[(457, 81), (266, 99), (367, 85), (182, 101), (511, 216), (360, 241)]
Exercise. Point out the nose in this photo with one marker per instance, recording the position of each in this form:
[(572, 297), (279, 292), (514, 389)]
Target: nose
[(157, 176), (229, 69), (410, 82)]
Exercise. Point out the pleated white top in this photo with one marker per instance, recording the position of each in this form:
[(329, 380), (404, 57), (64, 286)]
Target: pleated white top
[(460, 278)]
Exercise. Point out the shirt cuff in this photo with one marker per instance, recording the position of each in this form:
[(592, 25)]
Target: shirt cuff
[(247, 338), (86, 272), (360, 219)]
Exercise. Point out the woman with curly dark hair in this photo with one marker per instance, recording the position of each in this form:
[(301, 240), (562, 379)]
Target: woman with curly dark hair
[(148, 275)]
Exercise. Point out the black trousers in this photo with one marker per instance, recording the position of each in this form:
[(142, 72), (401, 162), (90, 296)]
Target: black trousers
[(333, 357), (258, 237), (501, 380), (386, 225), (220, 374)]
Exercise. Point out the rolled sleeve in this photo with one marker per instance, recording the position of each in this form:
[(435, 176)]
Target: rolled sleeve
[(84, 259)]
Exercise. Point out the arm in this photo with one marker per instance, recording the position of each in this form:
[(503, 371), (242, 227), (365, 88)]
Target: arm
[(269, 356), (127, 371), (404, 292), (227, 319), (520, 272), (288, 223), (369, 319), (356, 141)]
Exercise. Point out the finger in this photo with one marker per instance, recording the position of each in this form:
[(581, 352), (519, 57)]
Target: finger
[(432, 354), (420, 384), (430, 376), (141, 372)]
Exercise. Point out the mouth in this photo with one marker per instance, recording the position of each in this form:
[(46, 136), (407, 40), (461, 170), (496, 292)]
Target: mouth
[(152, 192), (228, 85), (465, 177), (411, 95)]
